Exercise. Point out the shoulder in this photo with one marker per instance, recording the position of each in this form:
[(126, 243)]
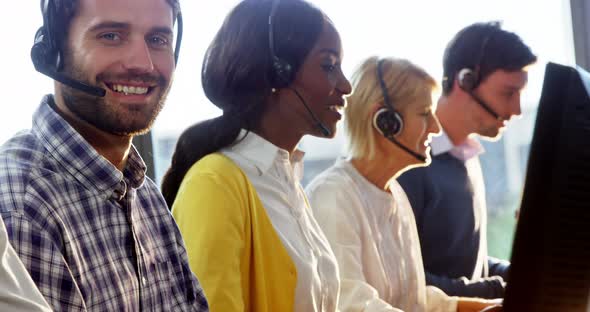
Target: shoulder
[(421, 179), (23, 163), (216, 180), (22, 152), (216, 166), (398, 193), (333, 193), (332, 178)]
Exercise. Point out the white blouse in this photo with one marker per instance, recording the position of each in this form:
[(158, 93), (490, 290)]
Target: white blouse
[(275, 175), (373, 235)]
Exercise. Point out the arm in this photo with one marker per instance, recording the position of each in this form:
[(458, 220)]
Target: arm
[(423, 196), (40, 253), (438, 301), (18, 291), (498, 267), (478, 305), (192, 288), (334, 209), (490, 287), (210, 217)]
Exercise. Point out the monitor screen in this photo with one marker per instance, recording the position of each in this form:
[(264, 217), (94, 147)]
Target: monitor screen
[(550, 268)]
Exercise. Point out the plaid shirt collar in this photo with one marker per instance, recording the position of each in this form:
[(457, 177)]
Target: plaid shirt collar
[(78, 157)]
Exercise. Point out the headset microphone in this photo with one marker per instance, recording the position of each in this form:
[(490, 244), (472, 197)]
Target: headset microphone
[(421, 158), (46, 53), (325, 131), (37, 56), (389, 124), (283, 72), (485, 106), (387, 120), (470, 78), (79, 85)]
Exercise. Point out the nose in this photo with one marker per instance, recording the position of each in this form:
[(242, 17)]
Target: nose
[(344, 85), (138, 57), (434, 126), (515, 110)]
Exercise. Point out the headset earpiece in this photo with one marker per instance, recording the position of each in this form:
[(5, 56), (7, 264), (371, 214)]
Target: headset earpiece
[(389, 123), (386, 120), (282, 73), (40, 52), (468, 79)]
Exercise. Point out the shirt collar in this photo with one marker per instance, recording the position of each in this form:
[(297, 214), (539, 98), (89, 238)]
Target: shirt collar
[(264, 154), (442, 144), (78, 157)]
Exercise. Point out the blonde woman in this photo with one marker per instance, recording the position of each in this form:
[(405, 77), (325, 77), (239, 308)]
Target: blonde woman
[(363, 210)]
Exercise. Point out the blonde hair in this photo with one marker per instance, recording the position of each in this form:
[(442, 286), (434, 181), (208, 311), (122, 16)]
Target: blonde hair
[(405, 82)]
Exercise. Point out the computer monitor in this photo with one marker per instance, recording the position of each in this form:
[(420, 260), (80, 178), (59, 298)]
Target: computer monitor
[(550, 268)]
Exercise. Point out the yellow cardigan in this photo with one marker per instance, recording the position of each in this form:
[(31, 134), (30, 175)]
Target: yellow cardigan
[(232, 246)]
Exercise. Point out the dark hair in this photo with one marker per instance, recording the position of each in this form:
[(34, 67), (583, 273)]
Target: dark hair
[(237, 76), (61, 13), (484, 47)]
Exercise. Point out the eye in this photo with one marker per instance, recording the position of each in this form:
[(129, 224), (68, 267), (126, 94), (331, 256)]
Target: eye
[(426, 113), (329, 67), (110, 36), (158, 41)]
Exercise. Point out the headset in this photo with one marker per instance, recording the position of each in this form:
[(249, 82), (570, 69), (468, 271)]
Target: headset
[(387, 120), (469, 78), (47, 55), (283, 73)]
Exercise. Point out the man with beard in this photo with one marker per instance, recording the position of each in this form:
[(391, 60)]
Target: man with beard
[(484, 73), (93, 231)]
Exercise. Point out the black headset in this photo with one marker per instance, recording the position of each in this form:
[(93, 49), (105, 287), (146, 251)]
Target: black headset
[(283, 73), (386, 120), (47, 55), (469, 78), (282, 70)]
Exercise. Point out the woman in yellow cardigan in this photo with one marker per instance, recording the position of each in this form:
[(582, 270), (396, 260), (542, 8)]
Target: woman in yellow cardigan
[(274, 70)]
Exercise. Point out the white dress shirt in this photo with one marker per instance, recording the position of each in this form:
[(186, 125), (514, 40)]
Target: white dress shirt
[(373, 235), (18, 292), (275, 175)]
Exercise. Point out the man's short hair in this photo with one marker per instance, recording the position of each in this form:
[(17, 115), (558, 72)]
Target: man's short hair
[(63, 11), (485, 48)]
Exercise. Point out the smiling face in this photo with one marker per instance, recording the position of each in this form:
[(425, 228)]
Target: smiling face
[(420, 124), (125, 47), (322, 84)]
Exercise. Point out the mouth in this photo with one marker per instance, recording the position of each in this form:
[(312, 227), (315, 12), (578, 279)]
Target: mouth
[(338, 106), (335, 108), (130, 89)]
